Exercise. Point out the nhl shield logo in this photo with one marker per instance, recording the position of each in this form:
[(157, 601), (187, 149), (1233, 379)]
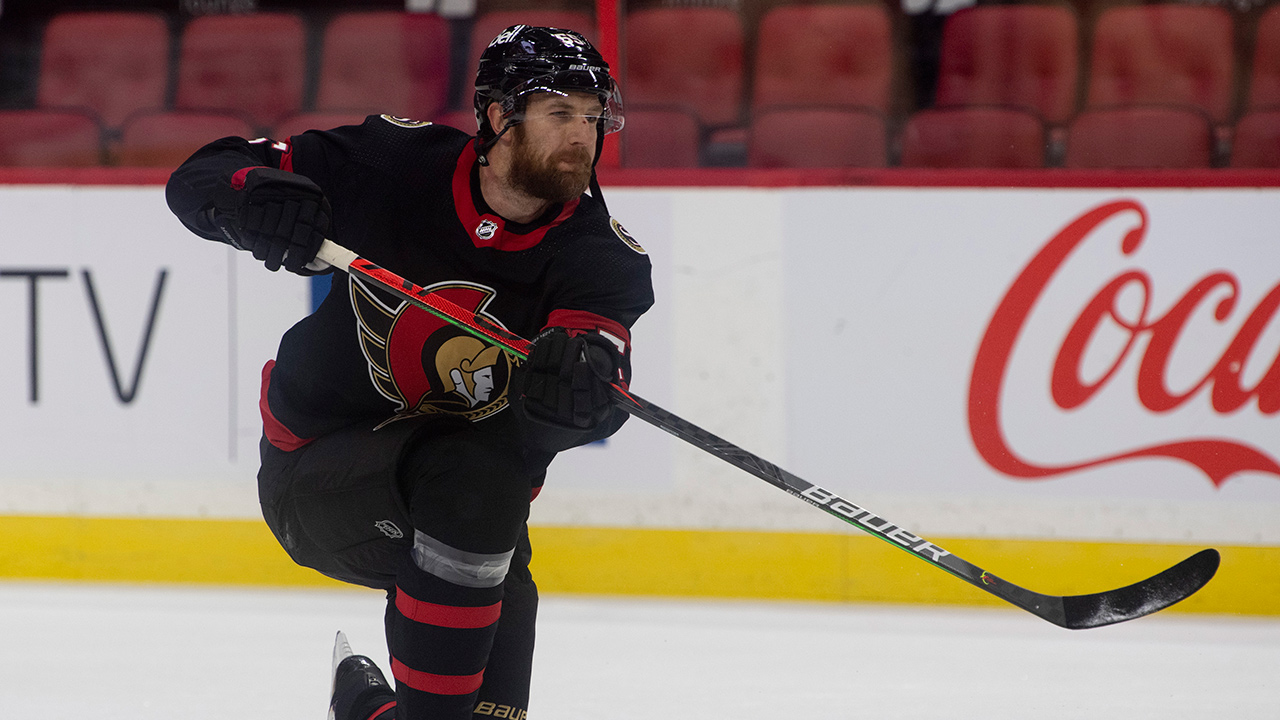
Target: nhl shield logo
[(486, 229)]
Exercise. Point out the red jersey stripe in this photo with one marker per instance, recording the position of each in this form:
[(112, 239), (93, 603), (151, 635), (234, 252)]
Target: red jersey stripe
[(449, 616), (277, 434), (583, 320)]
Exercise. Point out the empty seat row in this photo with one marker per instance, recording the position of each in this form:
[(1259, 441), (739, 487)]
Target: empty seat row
[(966, 137), (1001, 61), (817, 58), (971, 137), (1144, 136), (1028, 55), (72, 138), (116, 64), (838, 54), (1022, 55)]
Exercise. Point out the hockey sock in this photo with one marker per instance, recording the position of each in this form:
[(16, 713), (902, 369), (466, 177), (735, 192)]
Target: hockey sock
[(440, 627)]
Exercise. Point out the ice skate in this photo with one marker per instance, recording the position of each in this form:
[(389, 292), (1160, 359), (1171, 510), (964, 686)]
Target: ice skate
[(359, 690)]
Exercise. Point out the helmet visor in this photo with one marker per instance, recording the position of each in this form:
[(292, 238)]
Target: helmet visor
[(596, 81)]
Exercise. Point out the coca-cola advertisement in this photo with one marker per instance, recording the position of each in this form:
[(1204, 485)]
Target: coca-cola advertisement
[(1118, 320), (1091, 362)]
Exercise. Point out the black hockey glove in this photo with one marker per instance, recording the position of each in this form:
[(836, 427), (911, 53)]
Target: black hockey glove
[(281, 217), (566, 379)]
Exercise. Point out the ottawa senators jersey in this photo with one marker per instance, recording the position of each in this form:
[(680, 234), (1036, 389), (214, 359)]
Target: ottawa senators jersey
[(405, 195)]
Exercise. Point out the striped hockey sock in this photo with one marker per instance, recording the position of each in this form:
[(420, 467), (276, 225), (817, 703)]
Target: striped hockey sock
[(440, 628)]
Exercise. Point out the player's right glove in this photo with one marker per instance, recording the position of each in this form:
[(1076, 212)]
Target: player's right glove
[(566, 381), (280, 217)]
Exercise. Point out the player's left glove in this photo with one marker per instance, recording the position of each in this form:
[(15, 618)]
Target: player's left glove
[(281, 217), (566, 379)]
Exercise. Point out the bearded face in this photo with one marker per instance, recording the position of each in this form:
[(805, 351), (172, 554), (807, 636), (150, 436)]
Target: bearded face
[(556, 175)]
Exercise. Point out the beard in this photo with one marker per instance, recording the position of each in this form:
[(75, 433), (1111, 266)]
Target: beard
[(544, 180)]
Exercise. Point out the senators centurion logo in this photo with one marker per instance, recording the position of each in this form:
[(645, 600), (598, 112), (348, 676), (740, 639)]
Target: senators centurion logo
[(424, 364)]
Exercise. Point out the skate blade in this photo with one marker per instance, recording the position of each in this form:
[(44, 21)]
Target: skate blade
[(341, 651)]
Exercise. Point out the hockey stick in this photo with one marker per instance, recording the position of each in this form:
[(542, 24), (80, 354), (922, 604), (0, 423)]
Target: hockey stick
[(1072, 611)]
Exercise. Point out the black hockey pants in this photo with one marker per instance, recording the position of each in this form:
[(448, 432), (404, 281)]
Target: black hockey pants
[(432, 511)]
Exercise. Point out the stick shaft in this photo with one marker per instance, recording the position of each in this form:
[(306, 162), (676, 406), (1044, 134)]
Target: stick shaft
[(1078, 611)]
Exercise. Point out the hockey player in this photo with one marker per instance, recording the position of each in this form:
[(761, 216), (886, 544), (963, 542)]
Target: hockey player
[(400, 453)]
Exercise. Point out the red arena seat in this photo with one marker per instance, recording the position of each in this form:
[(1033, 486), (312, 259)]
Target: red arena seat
[(49, 138), (252, 64), (166, 139), (385, 62), (660, 137), (319, 120), (1164, 53), (1140, 137), (1016, 55), (828, 55), (663, 66), (817, 137), (1264, 73), (113, 63), (464, 120), (974, 137), (1257, 140)]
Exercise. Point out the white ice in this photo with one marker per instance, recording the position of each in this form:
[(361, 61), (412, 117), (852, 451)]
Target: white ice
[(103, 652)]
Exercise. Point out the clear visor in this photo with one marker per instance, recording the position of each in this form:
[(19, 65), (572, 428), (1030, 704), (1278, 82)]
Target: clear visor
[(564, 84)]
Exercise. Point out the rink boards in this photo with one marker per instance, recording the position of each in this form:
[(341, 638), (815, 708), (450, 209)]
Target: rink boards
[(1072, 386)]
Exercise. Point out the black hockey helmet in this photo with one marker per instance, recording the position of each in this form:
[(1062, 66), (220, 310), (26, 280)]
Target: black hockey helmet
[(525, 59)]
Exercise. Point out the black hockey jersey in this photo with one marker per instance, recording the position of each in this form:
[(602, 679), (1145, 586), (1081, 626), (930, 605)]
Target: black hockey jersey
[(405, 195)]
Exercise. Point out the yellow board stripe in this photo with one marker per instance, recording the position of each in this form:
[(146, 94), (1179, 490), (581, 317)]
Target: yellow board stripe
[(236, 552), (633, 561)]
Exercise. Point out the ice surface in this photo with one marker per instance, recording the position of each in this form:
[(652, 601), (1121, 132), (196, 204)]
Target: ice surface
[(101, 652)]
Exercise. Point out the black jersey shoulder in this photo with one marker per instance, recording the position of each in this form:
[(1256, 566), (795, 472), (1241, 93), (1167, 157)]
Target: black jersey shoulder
[(395, 146), (614, 267), (592, 224), (381, 177)]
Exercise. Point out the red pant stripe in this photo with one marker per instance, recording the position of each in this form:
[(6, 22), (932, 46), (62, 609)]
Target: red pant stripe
[(437, 684), (450, 616)]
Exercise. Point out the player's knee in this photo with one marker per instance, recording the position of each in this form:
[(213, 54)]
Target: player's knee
[(469, 490)]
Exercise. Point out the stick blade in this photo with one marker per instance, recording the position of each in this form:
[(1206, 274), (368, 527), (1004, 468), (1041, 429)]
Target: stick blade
[(1141, 598)]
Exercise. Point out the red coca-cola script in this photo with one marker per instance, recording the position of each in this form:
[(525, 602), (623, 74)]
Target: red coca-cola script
[(1218, 458)]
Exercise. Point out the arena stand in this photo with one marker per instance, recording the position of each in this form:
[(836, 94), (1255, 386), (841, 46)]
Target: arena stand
[(766, 84)]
